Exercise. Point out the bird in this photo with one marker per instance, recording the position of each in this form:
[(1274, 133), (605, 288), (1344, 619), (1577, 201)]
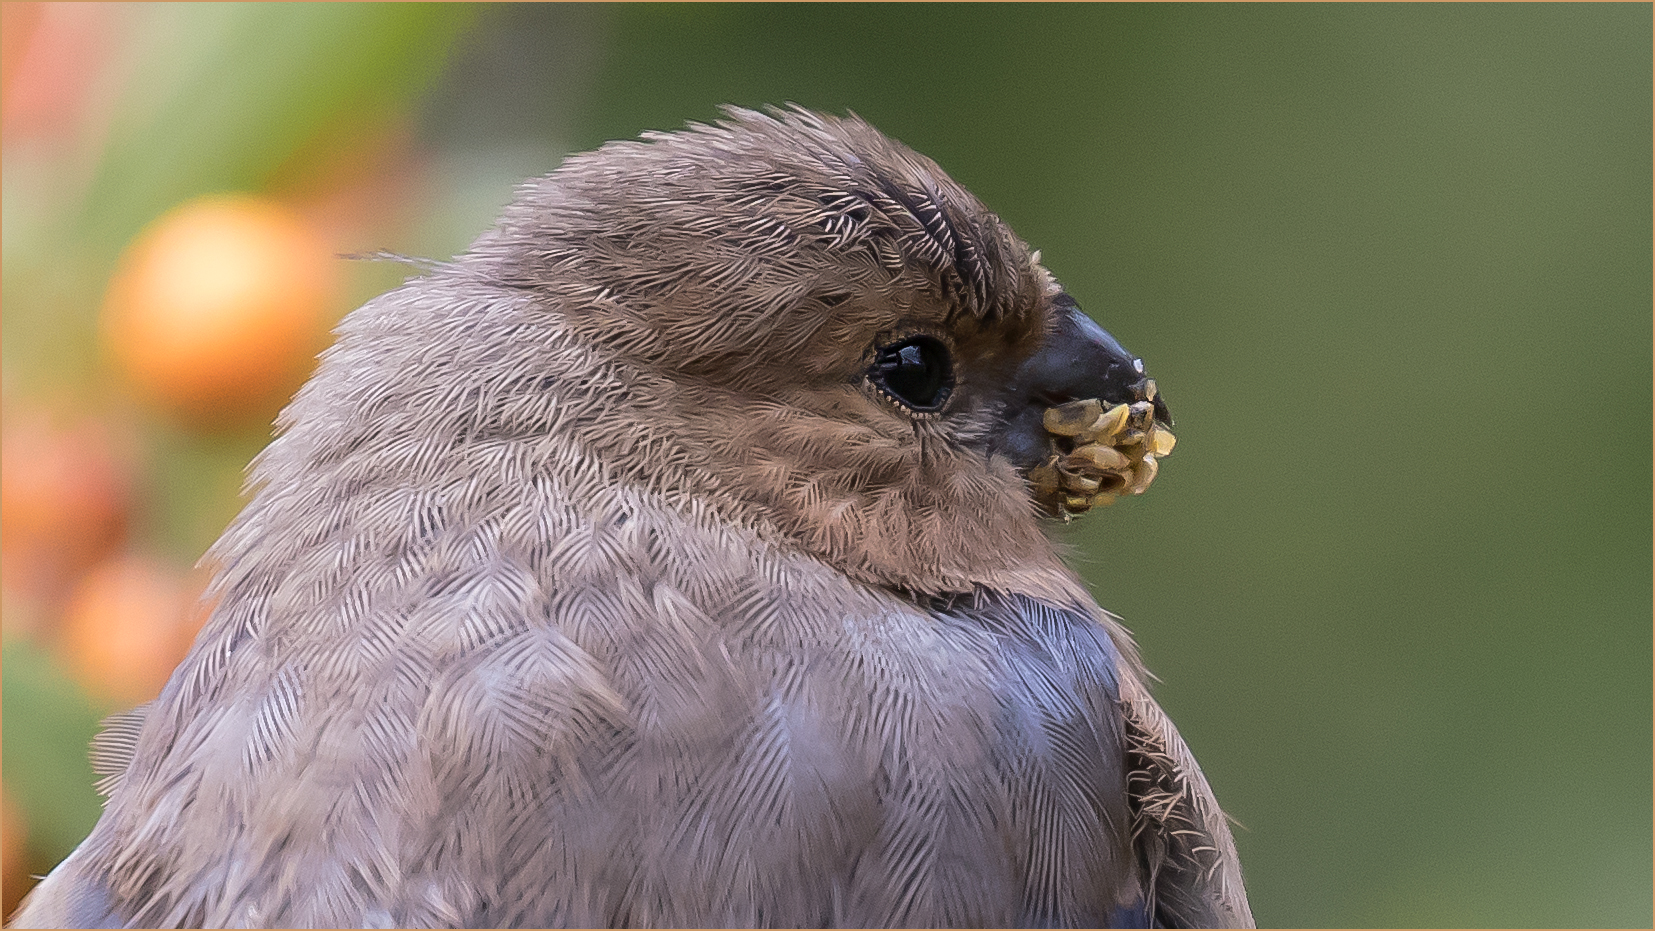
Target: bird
[(671, 557)]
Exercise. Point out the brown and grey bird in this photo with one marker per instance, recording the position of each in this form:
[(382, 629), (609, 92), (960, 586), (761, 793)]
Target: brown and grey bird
[(671, 557)]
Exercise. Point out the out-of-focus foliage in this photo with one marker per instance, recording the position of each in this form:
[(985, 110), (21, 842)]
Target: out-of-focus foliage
[(114, 114), (49, 721), (1390, 264)]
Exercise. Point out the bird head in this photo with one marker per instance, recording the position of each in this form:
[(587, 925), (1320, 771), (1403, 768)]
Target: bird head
[(797, 322)]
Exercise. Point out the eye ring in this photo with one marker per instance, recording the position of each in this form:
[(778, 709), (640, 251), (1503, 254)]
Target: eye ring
[(916, 372)]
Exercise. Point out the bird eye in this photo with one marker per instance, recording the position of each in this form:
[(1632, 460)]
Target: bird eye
[(915, 371)]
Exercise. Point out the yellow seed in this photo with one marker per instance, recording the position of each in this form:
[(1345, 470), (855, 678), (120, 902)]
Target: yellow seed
[(1097, 456), (1072, 418), (1143, 475), (1161, 441), (1114, 450), (1112, 421), (1080, 484)]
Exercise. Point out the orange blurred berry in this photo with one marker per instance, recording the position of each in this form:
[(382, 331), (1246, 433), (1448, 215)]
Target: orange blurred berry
[(217, 310), (65, 498), (128, 623)]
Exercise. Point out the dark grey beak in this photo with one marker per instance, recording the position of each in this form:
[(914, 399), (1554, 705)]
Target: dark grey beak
[(1079, 360)]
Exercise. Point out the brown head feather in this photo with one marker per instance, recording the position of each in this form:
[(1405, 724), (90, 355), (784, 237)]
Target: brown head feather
[(728, 310)]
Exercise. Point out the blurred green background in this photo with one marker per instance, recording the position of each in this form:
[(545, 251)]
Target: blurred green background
[(1391, 265)]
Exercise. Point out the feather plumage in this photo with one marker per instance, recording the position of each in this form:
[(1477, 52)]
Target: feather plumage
[(590, 582)]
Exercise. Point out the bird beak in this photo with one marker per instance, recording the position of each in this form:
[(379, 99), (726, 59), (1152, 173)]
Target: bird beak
[(1078, 360)]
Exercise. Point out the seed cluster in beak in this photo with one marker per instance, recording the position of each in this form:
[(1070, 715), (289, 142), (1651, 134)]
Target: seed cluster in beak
[(1098, 452)]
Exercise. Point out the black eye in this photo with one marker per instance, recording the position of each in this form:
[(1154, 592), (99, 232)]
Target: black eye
[(915, 371)]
